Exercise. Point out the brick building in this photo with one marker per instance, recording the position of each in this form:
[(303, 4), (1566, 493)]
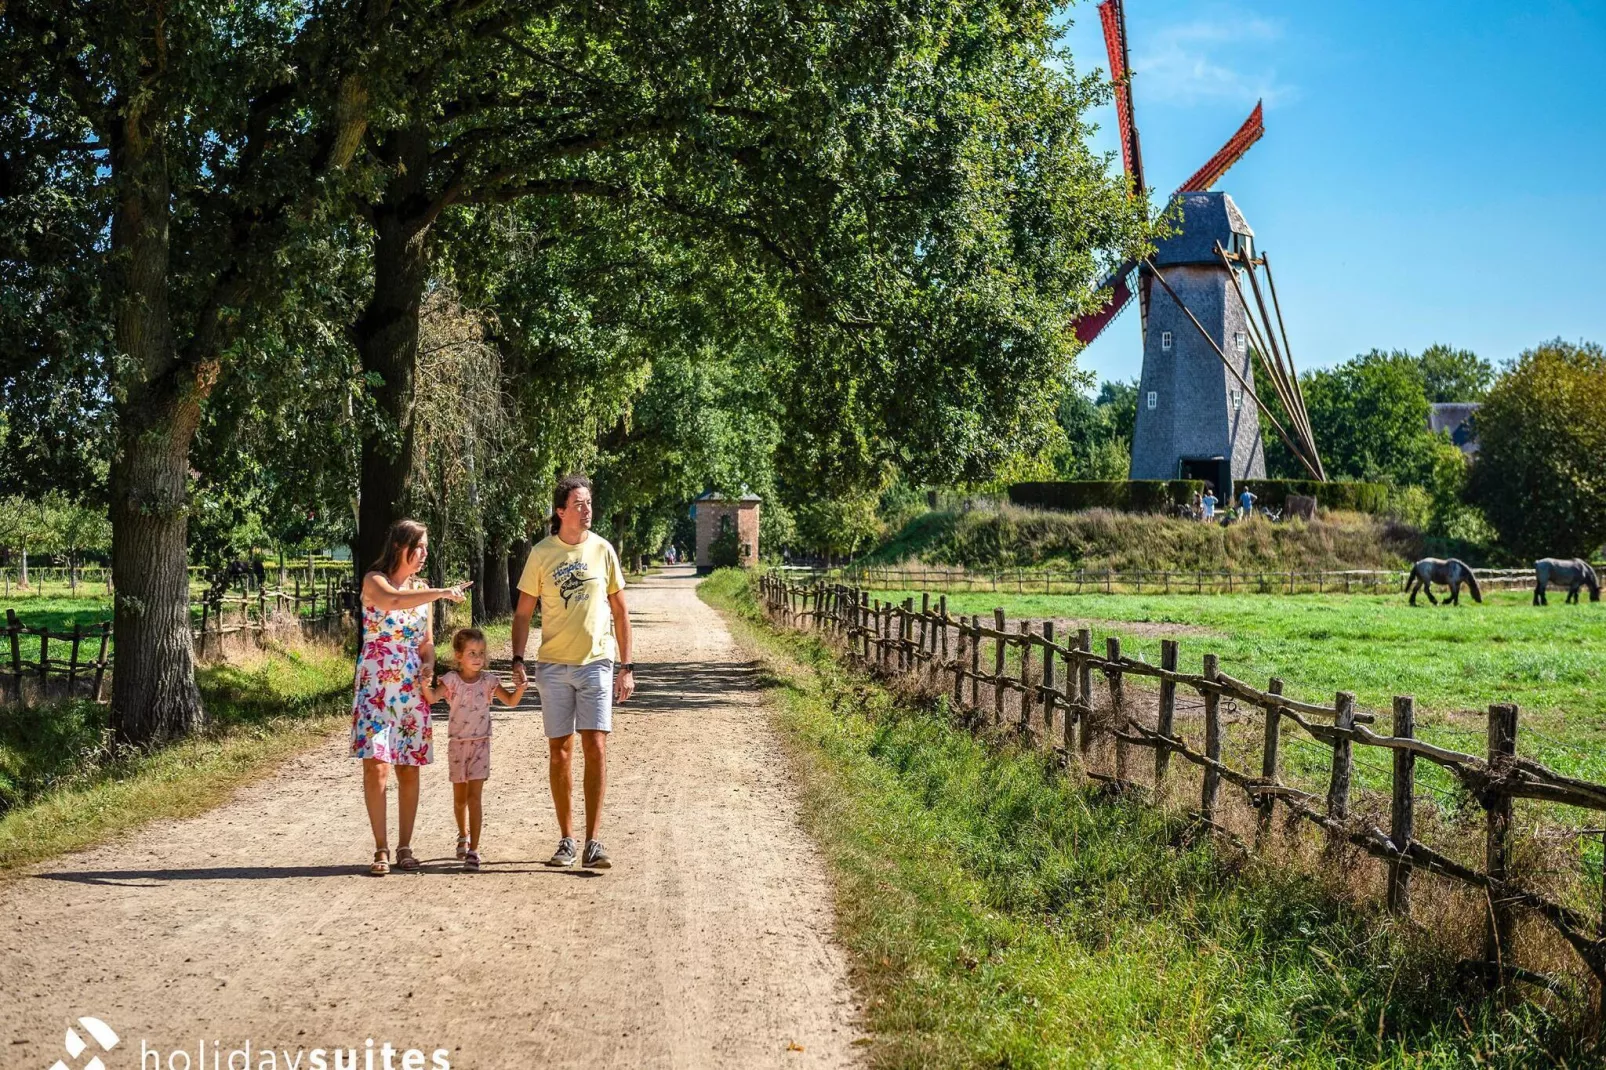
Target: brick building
[(712, 511)]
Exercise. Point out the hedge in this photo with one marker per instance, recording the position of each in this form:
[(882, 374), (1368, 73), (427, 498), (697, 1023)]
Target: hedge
[(1123, 495), (1360, 497)]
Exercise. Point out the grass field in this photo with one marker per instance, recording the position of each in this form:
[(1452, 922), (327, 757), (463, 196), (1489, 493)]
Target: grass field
[(1000, 914), (1550, 660)]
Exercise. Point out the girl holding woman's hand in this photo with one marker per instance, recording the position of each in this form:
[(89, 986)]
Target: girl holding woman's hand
[(390, 721)]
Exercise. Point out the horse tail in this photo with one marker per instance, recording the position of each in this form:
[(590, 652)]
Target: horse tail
[(1472, 581), (1591, 579)]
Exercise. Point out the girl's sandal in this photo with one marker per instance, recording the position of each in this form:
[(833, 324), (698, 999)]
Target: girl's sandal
[(471, 859), (462, 846), (405, 859), (380, 865)]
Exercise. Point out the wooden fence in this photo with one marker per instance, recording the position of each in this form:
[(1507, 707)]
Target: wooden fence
[(321, 609), (75, 676), (1142, 581), (1053, 692)]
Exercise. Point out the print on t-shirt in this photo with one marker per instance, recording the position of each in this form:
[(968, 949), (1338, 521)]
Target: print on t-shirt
[(571, 579)]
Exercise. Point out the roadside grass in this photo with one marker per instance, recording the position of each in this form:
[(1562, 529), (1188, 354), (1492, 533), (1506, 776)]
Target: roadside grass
[(1000, 914), (63, 787)]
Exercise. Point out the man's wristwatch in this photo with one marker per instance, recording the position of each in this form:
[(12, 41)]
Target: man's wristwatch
[(625, 666), (518, 659)]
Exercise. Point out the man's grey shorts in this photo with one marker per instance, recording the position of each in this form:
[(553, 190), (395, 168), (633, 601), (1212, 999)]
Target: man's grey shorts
[(575, 697)]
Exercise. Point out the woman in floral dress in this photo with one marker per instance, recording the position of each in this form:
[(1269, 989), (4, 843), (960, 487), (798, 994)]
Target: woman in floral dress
[(389, 718)]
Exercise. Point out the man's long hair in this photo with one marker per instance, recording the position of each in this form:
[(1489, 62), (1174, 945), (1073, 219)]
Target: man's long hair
[(560, 495)]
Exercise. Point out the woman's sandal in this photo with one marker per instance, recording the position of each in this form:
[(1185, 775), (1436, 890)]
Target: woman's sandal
[(471, 859), (462, 846), (405, 859), (380, 865)]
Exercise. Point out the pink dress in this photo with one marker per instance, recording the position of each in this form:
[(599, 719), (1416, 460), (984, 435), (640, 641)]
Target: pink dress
[(468, 752), (389, 718)]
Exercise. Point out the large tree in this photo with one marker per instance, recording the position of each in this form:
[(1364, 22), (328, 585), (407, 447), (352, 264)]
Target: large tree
[(195, 139), (1539, 475)]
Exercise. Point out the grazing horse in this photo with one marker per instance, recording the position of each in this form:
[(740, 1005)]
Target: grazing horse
[(1575, 574), (1452, 573)]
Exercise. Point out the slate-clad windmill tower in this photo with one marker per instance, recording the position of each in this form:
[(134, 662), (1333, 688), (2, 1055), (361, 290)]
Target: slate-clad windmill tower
[(1196, 418)]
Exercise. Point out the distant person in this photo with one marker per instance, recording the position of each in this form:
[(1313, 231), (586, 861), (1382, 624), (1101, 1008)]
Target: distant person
[(1208, 504), (1196, 507), (583, 663), (390, 723), (669, 556), (1246, 502), (468, 690)]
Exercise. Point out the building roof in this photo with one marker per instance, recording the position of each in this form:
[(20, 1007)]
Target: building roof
[(1206, 219), (1455, 417)]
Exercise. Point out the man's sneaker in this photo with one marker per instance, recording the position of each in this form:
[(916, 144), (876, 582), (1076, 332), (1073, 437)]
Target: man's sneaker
[(596, 856), (565, 854)]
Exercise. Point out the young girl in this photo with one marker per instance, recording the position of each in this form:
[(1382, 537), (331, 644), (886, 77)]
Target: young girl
[(468, 690)]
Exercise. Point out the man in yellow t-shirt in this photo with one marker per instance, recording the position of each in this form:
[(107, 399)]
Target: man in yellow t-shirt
[(583, 663)]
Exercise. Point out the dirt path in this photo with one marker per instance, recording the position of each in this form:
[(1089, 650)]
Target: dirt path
[(709, 944)]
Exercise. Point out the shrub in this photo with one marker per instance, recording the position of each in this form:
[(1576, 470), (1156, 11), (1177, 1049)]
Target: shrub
[(1355, 497), (1122, 495)]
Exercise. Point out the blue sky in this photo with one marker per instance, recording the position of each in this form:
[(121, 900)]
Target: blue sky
[(1431, 170)]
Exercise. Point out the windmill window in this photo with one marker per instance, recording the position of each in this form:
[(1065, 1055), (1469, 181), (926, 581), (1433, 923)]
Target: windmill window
[(1165, 340), (1154, 398), (1237, 400), (1239, 340)]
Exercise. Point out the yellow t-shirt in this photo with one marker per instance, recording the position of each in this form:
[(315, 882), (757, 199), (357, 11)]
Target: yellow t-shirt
[(572, 585)]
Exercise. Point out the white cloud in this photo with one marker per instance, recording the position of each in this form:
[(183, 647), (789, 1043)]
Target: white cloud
[(1218, 59)]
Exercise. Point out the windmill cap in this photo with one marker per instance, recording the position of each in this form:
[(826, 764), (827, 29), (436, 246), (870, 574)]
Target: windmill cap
[(1207, 218)]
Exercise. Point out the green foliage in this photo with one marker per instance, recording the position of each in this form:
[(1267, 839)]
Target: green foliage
[(1098, 538), (839, 527), (1450, 374), (1370, 415), (1098, 433), (1540, 477), (1337, 494), (1124, 495)]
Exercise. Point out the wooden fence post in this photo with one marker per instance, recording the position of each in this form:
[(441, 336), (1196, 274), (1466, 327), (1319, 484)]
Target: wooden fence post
[(1166, 720), (100, 662), (1271, 743), (1000, 652), (13, 630), (1112, 654), (1212, 713), (1048, 683), (1401, 819), (1497, 841), (1084, 643), (864, 623), (1028, 694), (44, 644), (1338, 786), (975, 662), (72, 663)]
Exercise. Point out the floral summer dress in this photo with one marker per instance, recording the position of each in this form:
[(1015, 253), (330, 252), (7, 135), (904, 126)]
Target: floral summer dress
[(389, 718)]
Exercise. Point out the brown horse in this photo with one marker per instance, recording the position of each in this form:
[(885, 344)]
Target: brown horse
[(1452, 573), (1575, 574)]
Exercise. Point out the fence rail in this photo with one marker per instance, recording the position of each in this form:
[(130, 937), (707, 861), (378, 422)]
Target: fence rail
[(1054, 679), (91, 675), (1142, 581)]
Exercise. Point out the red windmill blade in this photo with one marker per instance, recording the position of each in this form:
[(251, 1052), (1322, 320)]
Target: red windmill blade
[(1116, 287)]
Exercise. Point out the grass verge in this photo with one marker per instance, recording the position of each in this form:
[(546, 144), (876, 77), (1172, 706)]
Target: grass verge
[(63, 788), (999, 914)]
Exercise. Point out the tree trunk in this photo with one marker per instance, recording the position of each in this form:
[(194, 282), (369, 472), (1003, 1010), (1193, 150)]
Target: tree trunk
[(494, 578), (477, 614), (516, 555), (154, 698), (387, 341)]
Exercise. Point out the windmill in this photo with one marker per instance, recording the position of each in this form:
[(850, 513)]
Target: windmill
[(1201, 340)]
